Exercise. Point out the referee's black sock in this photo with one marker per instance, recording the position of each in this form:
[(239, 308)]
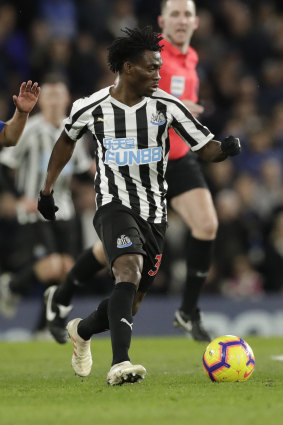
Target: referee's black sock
[(23, 281), (198, 262), (85, 267), (96, 322), (121, 319)]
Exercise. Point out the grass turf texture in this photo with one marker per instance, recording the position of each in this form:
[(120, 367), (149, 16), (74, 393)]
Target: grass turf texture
[(38, 386)]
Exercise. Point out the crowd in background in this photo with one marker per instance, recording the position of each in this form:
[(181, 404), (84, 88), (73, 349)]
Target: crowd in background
[(240, 48)]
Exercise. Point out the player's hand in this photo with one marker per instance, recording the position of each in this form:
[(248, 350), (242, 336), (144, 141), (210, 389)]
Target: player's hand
[(46, 206), (27, 97), (231, 146)]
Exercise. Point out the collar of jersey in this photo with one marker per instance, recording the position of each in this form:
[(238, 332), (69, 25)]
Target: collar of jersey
[(130, 108)]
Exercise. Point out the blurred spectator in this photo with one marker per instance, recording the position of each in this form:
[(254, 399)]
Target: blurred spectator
[(14, 65), (232, 238), (122, 16), (273, 264), (92, 17), (60, 17), (245, 281), (44, 251)]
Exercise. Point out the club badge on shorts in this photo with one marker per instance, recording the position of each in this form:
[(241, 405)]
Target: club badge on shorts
[(124, 241)]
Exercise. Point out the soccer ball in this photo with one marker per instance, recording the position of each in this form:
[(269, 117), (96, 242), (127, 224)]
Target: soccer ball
[(228, 359)]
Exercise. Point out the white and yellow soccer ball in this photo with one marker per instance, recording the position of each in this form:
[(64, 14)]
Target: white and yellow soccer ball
[(228, 359)]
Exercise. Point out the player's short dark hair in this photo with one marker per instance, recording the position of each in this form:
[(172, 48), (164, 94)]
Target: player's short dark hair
[(164, 2), (132, 46)]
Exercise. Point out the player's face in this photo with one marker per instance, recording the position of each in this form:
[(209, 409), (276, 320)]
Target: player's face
[(54, 100), (178, 21), (145, 73)]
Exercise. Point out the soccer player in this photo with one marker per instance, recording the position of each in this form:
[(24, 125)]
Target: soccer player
[(130, 123), (10, 131), (44, 251), (187, 192)]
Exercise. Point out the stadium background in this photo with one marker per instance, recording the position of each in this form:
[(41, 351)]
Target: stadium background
[(240, 46)]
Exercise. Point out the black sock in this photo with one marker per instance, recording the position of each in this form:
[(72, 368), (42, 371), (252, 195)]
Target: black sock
[(121, 319), (23, 281), (198, 262), (85, 267), (40, 323), (96, 322)]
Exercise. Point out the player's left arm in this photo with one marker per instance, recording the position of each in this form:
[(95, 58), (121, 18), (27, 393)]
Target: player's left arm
[(200, 138), (215, 151), (25, 102)]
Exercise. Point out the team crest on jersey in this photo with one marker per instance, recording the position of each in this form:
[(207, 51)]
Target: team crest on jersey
[(158, 118), (124, 241)]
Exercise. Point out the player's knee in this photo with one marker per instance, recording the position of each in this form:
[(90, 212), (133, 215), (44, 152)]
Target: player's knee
[(128, 268), (49, 268), (56, 267), (208, 228)]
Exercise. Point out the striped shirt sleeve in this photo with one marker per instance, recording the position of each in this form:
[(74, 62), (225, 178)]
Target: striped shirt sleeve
[(189, 128), (184, 123), (76, 125)]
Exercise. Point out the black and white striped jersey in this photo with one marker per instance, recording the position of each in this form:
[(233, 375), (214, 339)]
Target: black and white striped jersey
[(133, 147), (30, 157)]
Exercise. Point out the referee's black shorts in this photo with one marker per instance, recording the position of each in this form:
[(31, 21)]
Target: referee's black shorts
[(124, 232), (184, 174)]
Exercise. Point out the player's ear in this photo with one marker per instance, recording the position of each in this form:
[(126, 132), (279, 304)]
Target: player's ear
[(196, 22), (127, 67), (160, 21)]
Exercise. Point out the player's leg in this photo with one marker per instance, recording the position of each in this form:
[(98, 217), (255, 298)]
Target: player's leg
[(123, 248), (153, 242), (197, 210), (58, 298), (84, 268), (43, 272), (191, 199), (15, 285)]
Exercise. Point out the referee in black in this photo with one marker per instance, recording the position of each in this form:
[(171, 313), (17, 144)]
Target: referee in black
[(130, 123)]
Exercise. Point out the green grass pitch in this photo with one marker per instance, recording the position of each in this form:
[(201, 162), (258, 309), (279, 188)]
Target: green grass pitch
[(38, 386)]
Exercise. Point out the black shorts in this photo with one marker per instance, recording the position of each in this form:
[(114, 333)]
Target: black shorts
[(184, 174), (124, 232), (37, 240)]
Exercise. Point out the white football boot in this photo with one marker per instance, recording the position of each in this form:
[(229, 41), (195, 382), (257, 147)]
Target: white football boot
[(123, 372), (81, 359)]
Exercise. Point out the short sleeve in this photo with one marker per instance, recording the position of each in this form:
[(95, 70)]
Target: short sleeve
[(76, 124)]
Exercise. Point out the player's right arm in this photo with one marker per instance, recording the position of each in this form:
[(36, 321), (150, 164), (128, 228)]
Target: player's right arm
[(60, 156)]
